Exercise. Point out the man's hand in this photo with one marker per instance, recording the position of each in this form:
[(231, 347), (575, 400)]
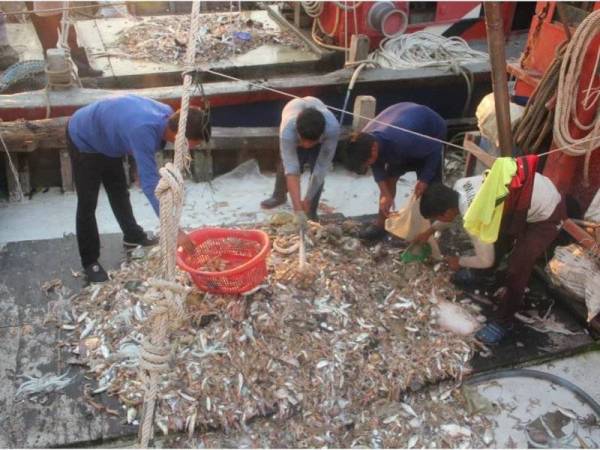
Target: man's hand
[(423, 237), (184, 241), (301, 221), (420, 187), (385, 204), (452, 262)]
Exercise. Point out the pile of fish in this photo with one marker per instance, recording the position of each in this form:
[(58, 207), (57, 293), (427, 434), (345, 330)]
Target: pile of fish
[(164, 39), (320, 347)]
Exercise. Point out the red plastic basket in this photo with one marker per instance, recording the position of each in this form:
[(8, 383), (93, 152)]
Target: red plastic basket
[(245, 251)]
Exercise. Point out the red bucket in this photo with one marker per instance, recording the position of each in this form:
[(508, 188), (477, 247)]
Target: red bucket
[(240, 254)]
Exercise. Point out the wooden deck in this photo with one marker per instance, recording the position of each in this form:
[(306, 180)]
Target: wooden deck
[(23, 38), (28, 347), (100, 39)]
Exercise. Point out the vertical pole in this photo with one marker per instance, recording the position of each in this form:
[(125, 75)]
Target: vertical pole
[(495, 38)]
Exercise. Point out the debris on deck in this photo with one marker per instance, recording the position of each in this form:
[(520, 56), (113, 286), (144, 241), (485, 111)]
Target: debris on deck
[(325, 346), (164, 39)]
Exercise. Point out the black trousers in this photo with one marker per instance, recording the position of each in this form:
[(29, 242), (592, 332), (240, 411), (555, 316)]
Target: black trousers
[(89, 171), (309, 157), (306, 157)]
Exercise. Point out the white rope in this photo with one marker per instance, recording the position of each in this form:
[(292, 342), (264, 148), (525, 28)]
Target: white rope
[(182, 151), (167, 296), (313, 8), (18, 196), (423, 49), (568, 93)]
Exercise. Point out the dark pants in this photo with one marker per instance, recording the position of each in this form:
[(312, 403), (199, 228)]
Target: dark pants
[(528, 247), (305, 157), (89, 171)]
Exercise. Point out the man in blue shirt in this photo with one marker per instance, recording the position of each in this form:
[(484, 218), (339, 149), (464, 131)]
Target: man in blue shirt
[(308, 134), (98, 137), (391, 152)]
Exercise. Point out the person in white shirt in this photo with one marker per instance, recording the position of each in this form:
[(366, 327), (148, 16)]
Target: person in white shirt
[(543, 222)]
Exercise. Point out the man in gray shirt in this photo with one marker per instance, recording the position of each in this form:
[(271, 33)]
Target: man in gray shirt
[(308, 134)]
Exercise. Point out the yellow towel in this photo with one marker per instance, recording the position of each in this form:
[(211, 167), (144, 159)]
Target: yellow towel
[(484, 215)]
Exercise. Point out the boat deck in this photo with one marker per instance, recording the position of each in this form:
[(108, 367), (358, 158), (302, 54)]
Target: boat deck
[(23, 38), (100, 39), (28, 346)]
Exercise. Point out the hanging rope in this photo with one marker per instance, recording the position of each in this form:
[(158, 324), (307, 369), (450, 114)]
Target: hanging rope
[(536, 123), (18, 195), (568, 94), (167, 296), (182, 151)]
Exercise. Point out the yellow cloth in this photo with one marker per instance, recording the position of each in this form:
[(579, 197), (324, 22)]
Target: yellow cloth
[(484, 215)]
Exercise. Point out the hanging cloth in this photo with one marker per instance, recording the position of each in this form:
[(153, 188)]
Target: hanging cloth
[(484, 215)]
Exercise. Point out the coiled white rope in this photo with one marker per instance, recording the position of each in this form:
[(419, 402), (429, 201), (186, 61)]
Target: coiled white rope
[(424, 49), (313, 8), (568, 94)]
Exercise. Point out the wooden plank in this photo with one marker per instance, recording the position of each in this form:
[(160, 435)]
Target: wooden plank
[(66, 418), (365, 106), (66, 171), (23, 38), (359, 48), (89, 37), (10, 334), (102, 48), (297, 11), (202, 165), (479, 153)]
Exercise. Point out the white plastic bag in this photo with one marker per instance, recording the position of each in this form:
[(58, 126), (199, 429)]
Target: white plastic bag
[(592, 296), (407, 223), (593, 212), (572, 268)]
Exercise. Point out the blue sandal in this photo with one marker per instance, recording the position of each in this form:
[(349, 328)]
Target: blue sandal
[(492, 333)]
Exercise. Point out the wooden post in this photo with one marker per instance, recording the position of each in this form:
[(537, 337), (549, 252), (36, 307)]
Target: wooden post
[(11, 181), (495, 38), (365, 106), (202, 165), (359, 48), (297, 10), (160, 158), (66, 171), (21, 163)]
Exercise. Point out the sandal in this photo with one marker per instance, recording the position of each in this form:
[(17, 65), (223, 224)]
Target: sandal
[(492, 333)]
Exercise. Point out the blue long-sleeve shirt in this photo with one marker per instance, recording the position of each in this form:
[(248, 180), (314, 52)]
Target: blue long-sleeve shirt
[(399, 147), (124, 125)]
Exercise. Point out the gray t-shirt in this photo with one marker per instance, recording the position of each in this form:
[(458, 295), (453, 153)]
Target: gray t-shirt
[(288, 141)]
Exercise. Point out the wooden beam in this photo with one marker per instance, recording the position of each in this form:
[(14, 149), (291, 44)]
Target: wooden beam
[(365, 106), (28, 135), (359, 48), (495, 36), (66, 171), (479, 153)]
